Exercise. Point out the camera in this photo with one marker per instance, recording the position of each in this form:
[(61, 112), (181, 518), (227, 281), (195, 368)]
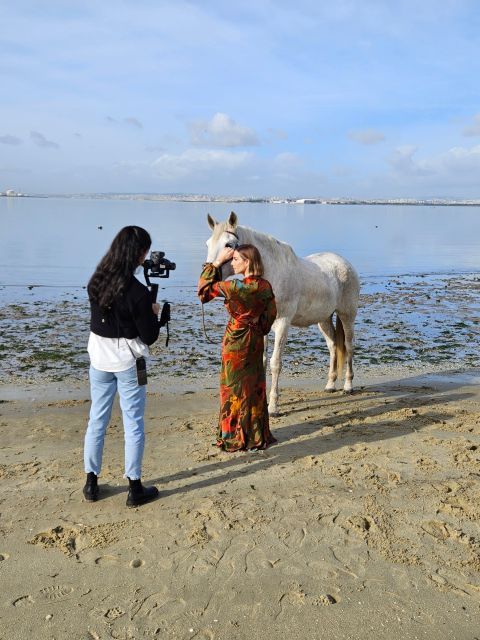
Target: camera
[(158, 265)]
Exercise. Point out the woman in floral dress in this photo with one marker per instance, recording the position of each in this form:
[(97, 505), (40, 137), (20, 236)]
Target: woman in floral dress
[(243, 422)]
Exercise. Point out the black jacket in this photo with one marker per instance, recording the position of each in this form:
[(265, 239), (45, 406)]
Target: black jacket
[(129, 317)]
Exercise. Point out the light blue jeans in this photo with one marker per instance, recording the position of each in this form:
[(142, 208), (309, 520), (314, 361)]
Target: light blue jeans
[(103, 387)]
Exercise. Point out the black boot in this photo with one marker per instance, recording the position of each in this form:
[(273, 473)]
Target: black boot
[(90, 490), (138, 494)]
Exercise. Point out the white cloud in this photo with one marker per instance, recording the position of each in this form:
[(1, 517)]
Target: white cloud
[(41, 141), (134, 122), (457, 168), (290, 174), (366, 136), (224, 171), (196, 161), (473, 129), (287, 162), (8, 139), (221, 131), (402, 159), (458, 161)]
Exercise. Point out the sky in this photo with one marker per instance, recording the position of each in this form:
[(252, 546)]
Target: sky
[(351, 98)]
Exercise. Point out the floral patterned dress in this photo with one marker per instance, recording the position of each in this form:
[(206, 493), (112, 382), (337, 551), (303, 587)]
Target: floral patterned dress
[(243, 421)]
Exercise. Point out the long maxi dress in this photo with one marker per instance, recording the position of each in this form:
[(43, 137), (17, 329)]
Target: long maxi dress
[(243, 421)]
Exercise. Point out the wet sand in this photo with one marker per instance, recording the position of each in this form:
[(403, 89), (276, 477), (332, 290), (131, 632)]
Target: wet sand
[(362, 522)]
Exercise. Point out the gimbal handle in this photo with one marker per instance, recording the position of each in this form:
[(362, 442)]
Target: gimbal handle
[(153, 291)]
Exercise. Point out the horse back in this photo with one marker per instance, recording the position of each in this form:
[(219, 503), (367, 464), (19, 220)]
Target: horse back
[(333, 265), (321, 284), (340, 275)]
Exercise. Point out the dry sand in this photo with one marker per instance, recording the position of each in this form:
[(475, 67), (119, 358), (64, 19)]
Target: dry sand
[(363, 522)]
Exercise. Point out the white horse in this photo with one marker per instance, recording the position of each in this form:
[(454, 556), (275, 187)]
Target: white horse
[(307, 291)]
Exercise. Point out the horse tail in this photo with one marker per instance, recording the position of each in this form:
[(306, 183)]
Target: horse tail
[(340, 346)]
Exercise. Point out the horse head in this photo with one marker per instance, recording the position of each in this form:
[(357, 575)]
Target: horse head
[(222, 232)]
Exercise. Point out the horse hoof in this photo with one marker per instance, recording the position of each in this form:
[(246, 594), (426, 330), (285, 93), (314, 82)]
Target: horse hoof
[(274, 414), (348, 392), (330, 390)]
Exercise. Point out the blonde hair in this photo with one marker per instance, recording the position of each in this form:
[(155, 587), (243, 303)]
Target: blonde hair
[(252, 254)]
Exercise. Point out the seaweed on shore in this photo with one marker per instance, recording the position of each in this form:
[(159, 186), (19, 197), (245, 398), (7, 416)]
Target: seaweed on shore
[(412, 321)]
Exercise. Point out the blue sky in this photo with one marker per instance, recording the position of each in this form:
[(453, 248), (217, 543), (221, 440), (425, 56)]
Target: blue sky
[(307, 98)]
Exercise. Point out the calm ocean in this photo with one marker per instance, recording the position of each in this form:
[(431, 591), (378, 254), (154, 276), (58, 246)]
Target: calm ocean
[(56, 242)]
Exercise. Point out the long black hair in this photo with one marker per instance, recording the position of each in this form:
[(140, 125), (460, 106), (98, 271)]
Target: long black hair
[(115, 270)]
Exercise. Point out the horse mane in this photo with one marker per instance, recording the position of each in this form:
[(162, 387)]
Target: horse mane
[(265, 243)]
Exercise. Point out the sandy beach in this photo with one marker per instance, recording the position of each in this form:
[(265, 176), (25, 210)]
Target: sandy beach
[(362, 522)]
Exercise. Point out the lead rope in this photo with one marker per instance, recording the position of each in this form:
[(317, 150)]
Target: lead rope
[(204, 328)]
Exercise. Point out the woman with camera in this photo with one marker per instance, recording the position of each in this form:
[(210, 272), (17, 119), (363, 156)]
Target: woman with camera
[(243, 422), (123, 322)]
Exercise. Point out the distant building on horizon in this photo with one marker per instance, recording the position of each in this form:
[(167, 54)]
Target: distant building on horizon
[(11, 193)]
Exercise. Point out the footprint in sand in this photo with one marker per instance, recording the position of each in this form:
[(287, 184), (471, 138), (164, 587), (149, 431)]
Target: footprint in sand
[(325, 600), (159, 606), (114, 613), (105, 560), (56, 592), (436, 529), (23, 601), (4, 556)]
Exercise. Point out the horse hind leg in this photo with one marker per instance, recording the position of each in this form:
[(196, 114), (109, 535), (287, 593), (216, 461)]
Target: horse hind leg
[(328, 331), (348, 322)]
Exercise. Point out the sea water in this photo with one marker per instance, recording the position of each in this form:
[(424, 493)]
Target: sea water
[(55, 243)]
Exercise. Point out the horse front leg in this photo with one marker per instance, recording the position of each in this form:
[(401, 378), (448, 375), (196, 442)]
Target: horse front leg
[(280, 328), (348, 324), (328, 331)]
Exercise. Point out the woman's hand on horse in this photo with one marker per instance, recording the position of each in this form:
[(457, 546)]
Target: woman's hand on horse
[(225, 255)]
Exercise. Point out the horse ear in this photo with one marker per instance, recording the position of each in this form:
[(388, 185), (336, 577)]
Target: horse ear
[(211, 221), (232, 219)]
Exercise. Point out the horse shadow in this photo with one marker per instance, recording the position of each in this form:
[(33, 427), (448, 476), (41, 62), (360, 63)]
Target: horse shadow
[(332, 433)]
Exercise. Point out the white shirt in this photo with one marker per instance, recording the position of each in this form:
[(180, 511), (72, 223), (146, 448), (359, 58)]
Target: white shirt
[(113, 354)]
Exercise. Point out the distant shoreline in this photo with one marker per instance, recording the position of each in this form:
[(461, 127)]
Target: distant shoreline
[(433, 202)]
